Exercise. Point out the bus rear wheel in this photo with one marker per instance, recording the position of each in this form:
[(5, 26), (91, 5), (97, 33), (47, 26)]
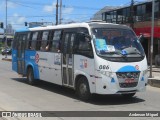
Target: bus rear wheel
[(82, 89), (30, 76), (129, 95)]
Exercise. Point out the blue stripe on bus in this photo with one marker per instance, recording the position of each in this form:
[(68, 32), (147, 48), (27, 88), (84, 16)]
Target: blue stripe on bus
[(128, 69), (30, 61)]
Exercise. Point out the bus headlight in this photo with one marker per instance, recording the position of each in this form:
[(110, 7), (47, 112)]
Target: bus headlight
[(106, 73)]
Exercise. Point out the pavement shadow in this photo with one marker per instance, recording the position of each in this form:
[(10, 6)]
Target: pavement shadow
[(96, 99)]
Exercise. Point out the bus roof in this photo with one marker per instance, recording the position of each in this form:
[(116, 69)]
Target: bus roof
[(23, 30), (74, 25)]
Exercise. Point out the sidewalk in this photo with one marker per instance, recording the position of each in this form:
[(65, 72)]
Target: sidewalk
[(8, 58), (155, 80)]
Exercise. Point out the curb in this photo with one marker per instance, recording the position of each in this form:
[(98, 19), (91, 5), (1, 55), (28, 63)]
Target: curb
[(7, 59), (154, 82)]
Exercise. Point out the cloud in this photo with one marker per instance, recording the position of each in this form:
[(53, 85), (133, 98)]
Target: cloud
[(17, 21), (50, 8), (9, 5)]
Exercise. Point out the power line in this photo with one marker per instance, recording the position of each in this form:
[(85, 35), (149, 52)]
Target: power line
[(25, 4), (31, 16)]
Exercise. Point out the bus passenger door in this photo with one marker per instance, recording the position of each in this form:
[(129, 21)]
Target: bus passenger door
[(20, 54), (67, 59)]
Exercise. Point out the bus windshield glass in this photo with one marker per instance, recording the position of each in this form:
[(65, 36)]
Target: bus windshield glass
[(116, 43)]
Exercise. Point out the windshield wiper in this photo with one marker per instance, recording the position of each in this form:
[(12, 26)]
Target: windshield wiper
[(112, 52), (132, 50)]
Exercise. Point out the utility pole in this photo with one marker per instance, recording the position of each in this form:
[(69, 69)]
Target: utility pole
[(152, 37), (57, 13), (132, 14), (60, 12), (6, 31)]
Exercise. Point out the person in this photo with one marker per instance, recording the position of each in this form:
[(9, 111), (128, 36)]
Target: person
[(47, 47)]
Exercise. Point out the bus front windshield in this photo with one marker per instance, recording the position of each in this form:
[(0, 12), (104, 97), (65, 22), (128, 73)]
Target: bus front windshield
[(116, 43)]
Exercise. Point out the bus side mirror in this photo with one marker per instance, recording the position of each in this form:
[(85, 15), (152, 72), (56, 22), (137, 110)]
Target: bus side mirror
[(84, 35)]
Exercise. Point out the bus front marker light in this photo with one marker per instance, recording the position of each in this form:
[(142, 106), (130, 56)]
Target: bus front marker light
[(142, 79), (112, 80)]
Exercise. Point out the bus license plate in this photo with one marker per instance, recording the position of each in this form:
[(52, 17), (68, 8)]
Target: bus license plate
[(129, 80)]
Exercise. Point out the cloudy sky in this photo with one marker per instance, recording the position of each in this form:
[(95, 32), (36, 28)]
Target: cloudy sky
[(20, 11)]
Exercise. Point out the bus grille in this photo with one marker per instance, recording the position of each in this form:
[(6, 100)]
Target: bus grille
[(128, 85), (128, 79)]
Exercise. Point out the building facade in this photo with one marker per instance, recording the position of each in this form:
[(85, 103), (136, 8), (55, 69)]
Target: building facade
[(138, 16)]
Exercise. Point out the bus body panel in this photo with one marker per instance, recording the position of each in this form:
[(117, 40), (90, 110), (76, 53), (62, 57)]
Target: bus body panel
[(49, 69), (85, 66), (30, 60)]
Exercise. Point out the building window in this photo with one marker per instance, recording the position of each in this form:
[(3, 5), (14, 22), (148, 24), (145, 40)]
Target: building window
[(156, 8), (103, 16)]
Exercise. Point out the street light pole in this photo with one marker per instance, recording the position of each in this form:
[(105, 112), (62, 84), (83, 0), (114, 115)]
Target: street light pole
[(57, 13), (6, 31), (152, 38), (132, 14), (60, 16)]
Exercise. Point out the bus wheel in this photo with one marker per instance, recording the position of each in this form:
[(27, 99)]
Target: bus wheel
[(83, 89), (30, 76), (129, 95)]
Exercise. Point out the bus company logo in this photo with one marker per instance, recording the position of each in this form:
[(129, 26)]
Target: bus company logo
[(37, 58), (83, 63), (137, 67)]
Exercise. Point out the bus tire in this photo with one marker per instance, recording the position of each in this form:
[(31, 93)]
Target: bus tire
[(82, 89), (30, 76), (129, 95)]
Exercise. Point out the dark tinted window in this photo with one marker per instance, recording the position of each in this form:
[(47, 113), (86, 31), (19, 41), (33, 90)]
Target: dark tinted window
[(55, 44), (34, 40)]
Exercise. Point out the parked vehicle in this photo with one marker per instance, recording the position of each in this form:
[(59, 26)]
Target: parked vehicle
[(7, 51)]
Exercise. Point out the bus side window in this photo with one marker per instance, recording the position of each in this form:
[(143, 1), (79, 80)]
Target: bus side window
[(50, 38), (44, 43), (84, 46), (34, 40), (27, 41), (39, 40), (29, 37), (15, 40), (56, 43)]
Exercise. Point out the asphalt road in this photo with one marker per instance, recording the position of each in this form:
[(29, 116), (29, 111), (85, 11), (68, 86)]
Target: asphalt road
[(17, 95)]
